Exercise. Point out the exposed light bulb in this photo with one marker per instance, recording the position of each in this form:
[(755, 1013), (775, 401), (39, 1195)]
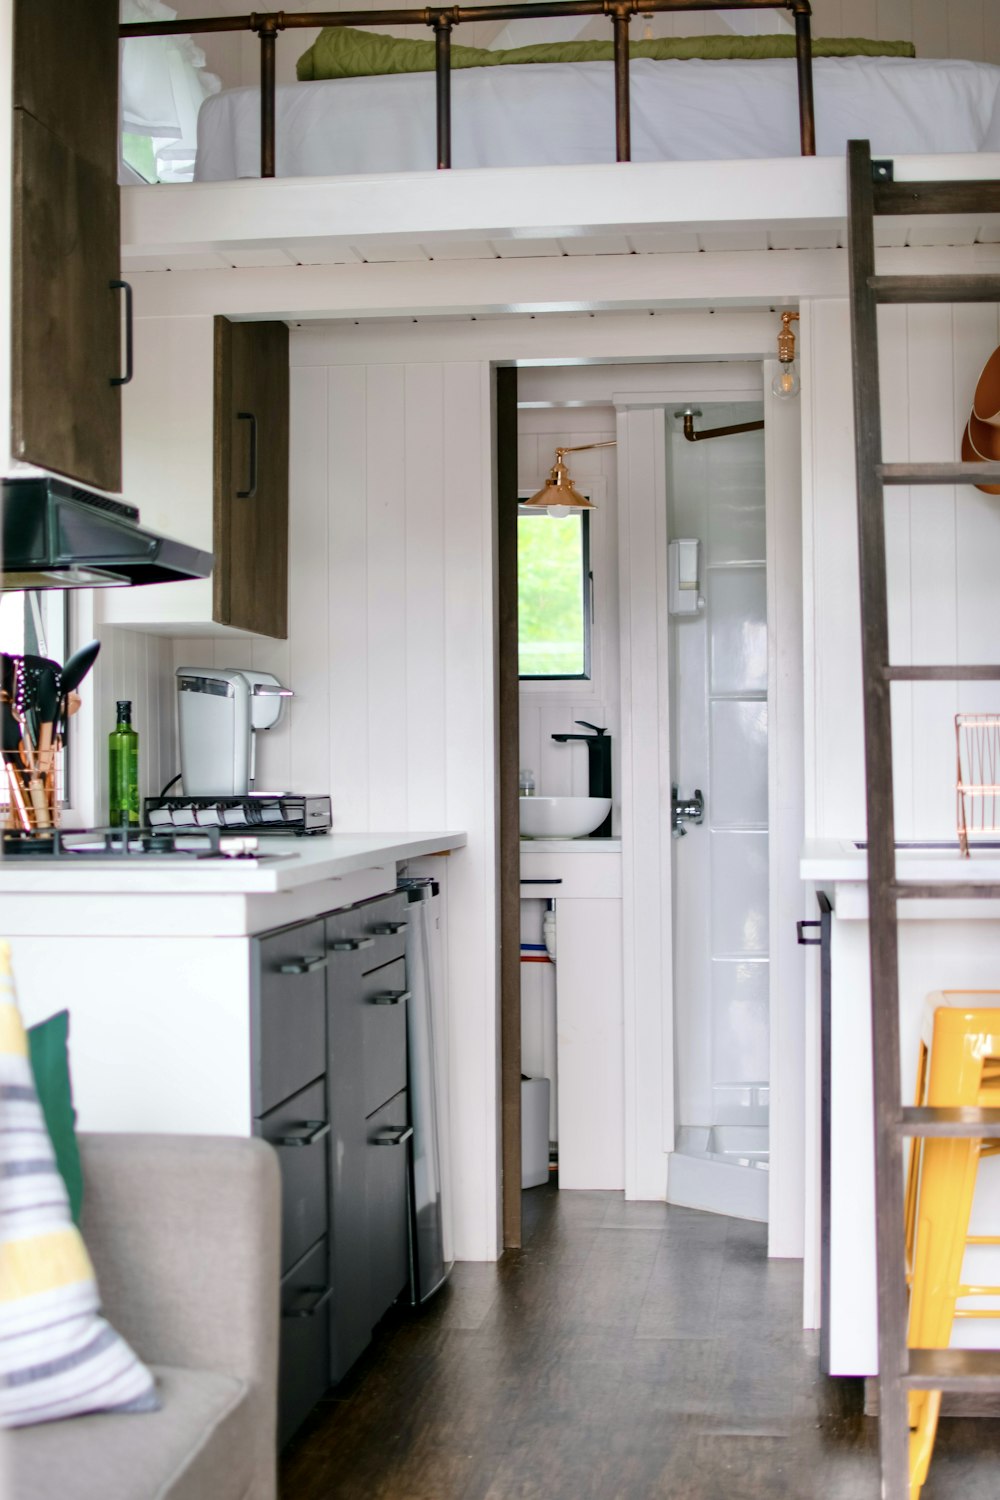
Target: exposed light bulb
[(786, 384), (559, 511)]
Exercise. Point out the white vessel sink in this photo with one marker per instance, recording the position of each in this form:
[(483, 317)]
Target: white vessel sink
[(562, 817)]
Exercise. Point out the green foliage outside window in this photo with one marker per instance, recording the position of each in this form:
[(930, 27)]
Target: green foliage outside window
[(552, 595)]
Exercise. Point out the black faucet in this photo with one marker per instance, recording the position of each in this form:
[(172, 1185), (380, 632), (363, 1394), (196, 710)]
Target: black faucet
[(599, 750)]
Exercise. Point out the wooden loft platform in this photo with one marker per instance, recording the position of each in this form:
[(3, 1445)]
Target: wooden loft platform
[(615, 210)]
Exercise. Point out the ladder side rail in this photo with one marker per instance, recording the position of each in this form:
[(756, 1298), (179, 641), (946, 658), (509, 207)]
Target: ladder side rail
[(882, 914)]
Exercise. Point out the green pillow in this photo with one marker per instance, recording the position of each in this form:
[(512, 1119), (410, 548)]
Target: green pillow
[(343, 52), (47, 1048)]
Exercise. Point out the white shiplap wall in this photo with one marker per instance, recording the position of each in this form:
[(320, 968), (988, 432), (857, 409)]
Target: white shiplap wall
[(390, 657), (937, 28), (139, 667), (944, 559), (550, 708)]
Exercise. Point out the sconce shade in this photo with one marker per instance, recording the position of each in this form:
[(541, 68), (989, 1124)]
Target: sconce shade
[(558, 491)]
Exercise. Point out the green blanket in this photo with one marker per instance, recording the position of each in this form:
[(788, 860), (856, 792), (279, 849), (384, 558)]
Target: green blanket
[(342, 52)]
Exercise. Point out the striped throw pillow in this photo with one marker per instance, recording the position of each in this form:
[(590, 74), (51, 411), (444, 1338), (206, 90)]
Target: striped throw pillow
[(58, 1357)]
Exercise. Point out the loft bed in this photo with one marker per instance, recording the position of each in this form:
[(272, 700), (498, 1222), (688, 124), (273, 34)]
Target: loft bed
[(369, 188), (680, 111), (444, 20)]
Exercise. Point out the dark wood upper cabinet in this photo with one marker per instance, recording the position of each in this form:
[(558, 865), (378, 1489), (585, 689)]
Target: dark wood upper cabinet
[(66, 73), (66, 317), (250, 590)]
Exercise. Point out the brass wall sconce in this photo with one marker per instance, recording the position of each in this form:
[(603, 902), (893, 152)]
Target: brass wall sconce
[(558, 495), (786, 384)]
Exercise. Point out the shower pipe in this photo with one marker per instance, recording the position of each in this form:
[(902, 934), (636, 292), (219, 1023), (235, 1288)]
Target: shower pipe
[(714, 432), (443, 19)]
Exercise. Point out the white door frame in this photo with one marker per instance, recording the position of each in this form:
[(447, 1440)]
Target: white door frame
[(645, 790)]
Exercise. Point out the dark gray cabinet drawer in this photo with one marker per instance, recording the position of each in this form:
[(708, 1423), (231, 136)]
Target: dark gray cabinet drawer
[(387, 1155), (305, 1339), (299, 1130), (289, 1030), (383, 1025), (386, 919)]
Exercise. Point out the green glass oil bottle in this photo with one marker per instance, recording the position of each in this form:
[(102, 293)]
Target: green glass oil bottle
[(123, 770)]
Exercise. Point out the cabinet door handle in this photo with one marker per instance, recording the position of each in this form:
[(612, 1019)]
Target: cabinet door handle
[(805, 942), (351, 945), (389, 929), (248, 416), (308, 1301), (389, 997), (306, 1134), (123, 286), (392, 1135), (303, 965)]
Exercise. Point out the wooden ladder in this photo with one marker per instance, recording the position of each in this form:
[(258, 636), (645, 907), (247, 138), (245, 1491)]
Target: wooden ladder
[(872, 192)]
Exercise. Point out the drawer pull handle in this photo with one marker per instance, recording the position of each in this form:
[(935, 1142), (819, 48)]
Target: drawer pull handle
[(351, 945), (389, 997), (304, 965), (306, 1134), (392, 1135), (389, 929), (308, 1301)]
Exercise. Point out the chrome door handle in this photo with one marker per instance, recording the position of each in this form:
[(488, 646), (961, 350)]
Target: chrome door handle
[(685, 810)]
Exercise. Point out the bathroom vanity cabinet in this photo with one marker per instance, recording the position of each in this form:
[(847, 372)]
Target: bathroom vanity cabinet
[(583, 879)]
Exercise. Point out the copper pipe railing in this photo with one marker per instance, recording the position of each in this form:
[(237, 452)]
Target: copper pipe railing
[(443, 20)]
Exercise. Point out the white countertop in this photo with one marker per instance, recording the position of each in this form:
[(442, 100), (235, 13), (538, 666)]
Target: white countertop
[(841, 860), (303, 861), (570, 846)]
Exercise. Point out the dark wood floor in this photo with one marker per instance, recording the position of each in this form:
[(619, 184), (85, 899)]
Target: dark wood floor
[(630, 1351)]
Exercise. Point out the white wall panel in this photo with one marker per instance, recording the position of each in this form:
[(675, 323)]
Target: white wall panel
[(138, 667), (943, 547), (937, 28)]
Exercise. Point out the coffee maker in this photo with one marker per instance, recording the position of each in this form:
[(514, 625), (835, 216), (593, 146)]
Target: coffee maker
[(221, 710)]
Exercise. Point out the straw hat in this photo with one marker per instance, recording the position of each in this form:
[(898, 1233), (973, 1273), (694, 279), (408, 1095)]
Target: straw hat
[(981, 443), (986, 403)]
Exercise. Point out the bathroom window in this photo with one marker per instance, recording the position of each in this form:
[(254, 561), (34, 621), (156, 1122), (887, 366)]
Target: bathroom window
[(554, 593)]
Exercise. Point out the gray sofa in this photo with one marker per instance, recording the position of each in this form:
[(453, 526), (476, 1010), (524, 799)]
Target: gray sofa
[(184, 1235)]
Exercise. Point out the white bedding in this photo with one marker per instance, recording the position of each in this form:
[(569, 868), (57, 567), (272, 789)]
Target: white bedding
[(559, 114)]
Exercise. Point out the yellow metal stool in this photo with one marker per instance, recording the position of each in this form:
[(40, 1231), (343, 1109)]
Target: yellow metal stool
[(959, 1064)]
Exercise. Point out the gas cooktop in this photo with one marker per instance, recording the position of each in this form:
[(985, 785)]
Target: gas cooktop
[(141, 845)]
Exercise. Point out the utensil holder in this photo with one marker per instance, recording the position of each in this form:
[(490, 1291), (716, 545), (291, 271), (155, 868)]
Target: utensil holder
[(33, 801)]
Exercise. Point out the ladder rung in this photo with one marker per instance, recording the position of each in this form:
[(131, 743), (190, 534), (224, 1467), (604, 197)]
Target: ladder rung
[(962, 1122), (981, 197), (945, 890), (953, 1370), (935, 288), (943, 473), (944, 673)]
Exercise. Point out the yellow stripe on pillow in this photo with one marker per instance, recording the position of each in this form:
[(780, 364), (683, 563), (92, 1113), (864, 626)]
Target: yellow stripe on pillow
[(13, 1040), (41, 1263)]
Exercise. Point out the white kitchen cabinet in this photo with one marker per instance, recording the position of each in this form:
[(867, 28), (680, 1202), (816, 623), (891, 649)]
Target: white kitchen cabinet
[(585, 884)]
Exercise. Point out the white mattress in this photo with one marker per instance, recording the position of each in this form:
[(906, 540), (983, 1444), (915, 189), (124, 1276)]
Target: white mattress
[(559, 114)]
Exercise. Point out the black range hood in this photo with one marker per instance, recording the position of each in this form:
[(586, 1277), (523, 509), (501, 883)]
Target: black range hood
[(58, 536)]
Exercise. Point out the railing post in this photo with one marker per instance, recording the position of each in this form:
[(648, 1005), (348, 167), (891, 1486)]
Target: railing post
[(267, 28), (442, 21), (803, 56), (621, 15)]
